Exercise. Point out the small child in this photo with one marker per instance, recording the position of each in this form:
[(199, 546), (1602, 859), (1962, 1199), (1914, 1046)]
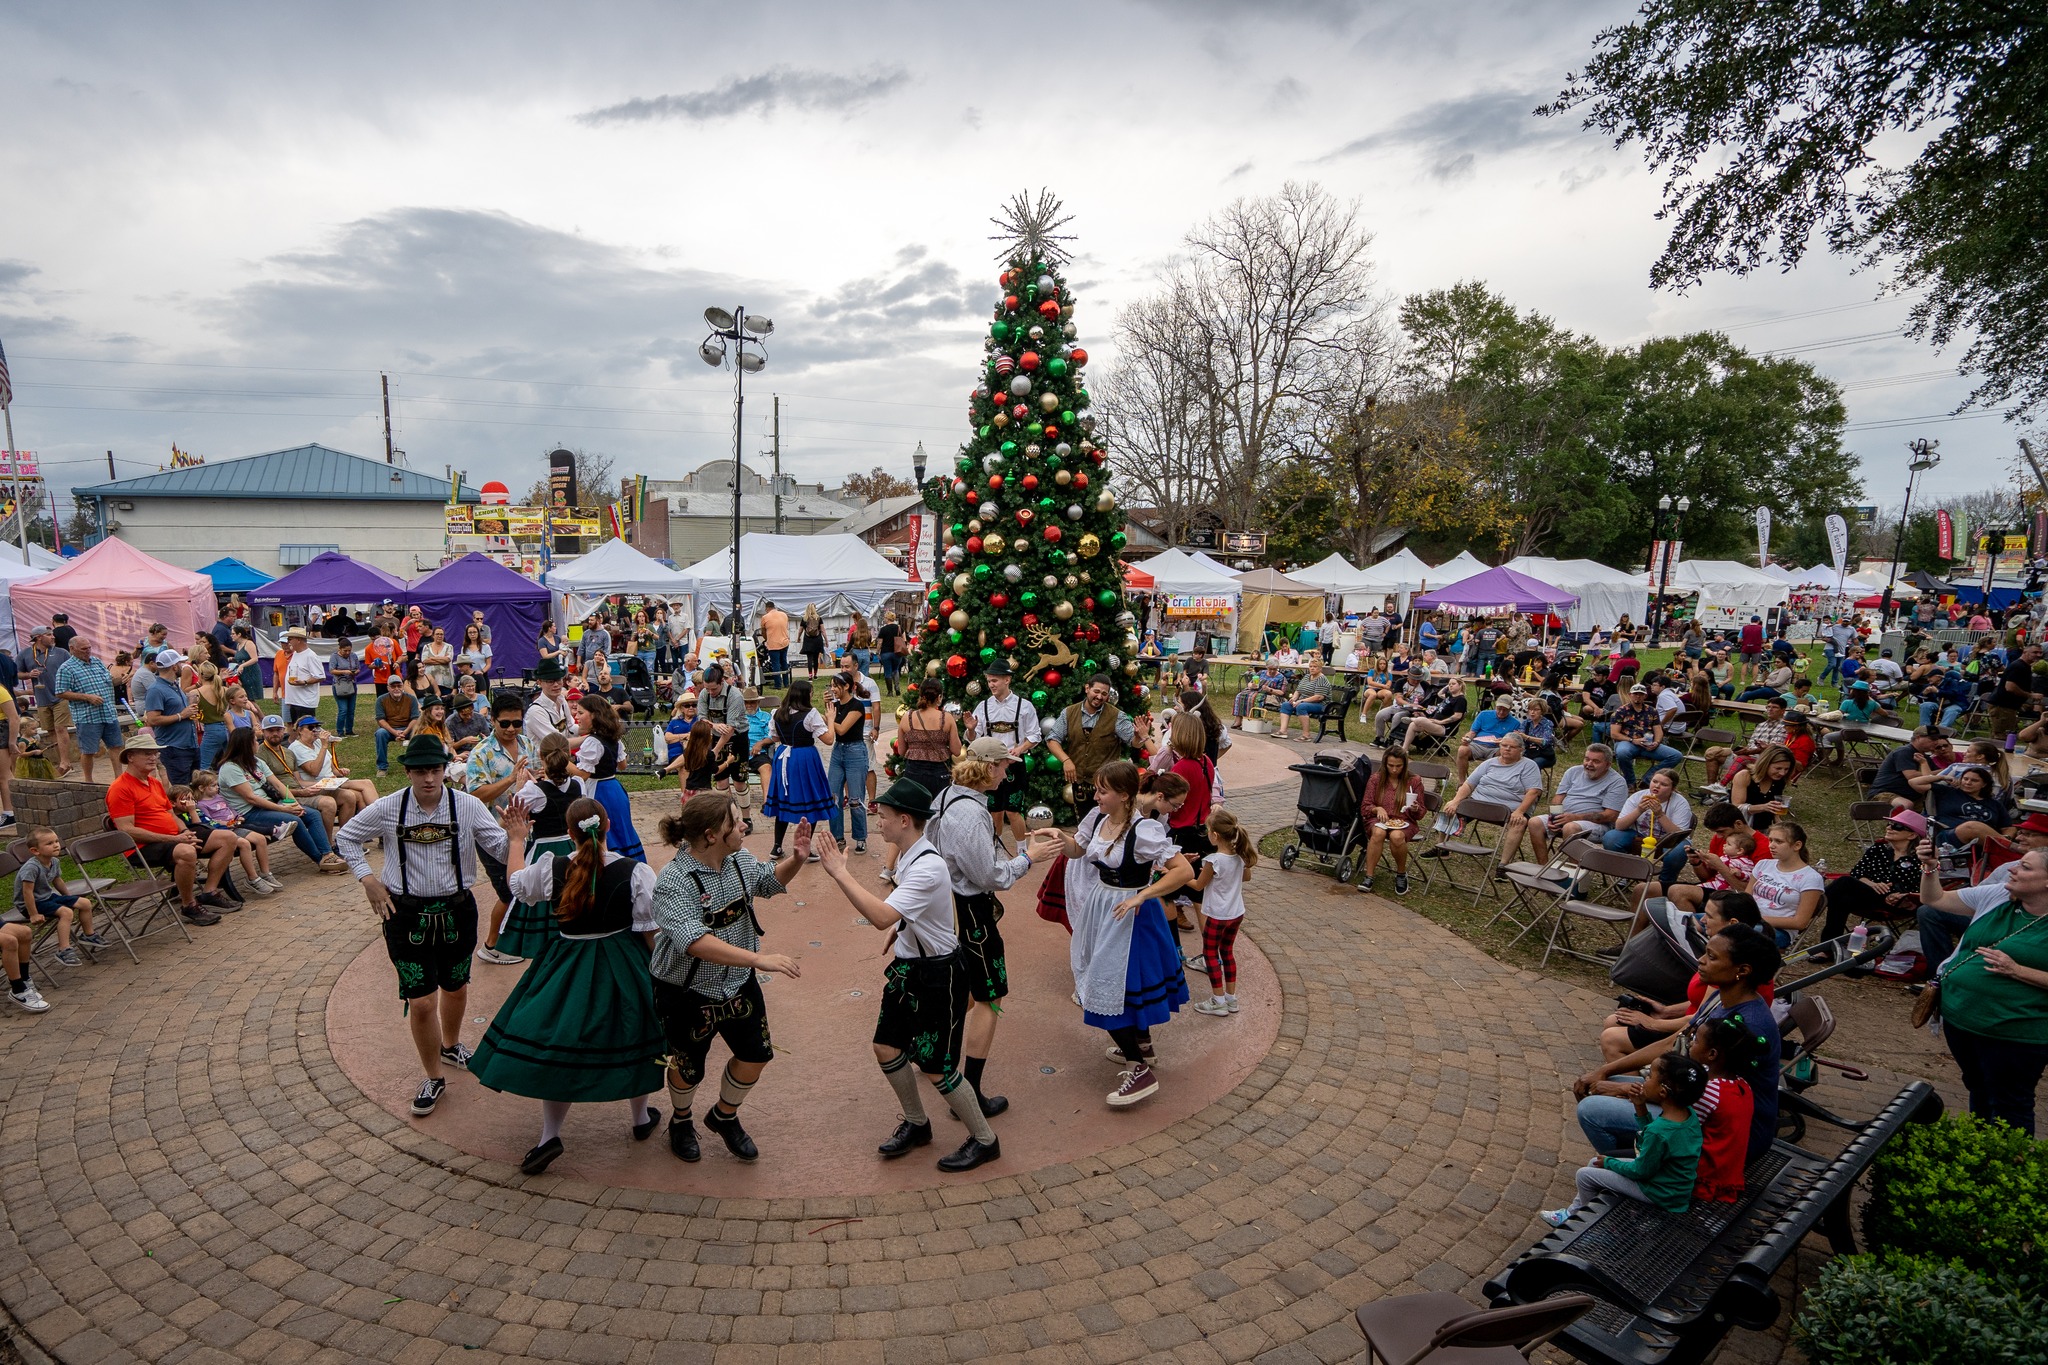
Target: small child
[(1221, 882), (1731, 1052), (1667, 1160), (680, 718), (39, 897), (202, 804)]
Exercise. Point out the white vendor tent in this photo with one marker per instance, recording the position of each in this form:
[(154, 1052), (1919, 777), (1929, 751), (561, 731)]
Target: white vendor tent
[(1456, 570), (1393, 579), (615, 567), (1207, 560), (1334, 575), (13, 571), (1605, 595), (1177, 571), (1730, 591), (839, 575)]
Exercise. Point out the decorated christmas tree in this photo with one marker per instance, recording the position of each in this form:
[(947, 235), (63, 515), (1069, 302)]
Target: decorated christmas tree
[(1028, 526)]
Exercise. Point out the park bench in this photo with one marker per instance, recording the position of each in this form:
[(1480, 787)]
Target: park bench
[(1669, 1287)]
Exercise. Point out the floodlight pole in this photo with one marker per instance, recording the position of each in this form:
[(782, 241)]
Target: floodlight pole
[(739, 406), (1924, 458)]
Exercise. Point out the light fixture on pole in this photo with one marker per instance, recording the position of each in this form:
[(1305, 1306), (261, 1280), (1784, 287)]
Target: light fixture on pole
[(1926, 455), (1666, 551), (742, 331)]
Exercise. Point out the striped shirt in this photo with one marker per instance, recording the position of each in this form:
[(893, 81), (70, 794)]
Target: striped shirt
[(692, 900), (88, 675)]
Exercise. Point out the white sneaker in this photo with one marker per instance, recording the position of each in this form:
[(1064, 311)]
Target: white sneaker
[(259, 887), (492, 955), (1215, 1004), (29, 999), (271, 880), (1231, 1001)]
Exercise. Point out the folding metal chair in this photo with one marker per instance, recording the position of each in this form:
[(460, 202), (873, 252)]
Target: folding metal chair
[(1616, 886), (1435, 1329), (43, 941), (76, 886), (1418, 866), (1472, 842), (1867, 818), (1534, 888), (149, 895)]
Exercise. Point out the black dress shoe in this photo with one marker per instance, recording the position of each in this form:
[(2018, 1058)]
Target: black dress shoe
[(906, 1136), (972, 1153), (736, 1140), (991, 1105), (682, 1139), (541, 1157), (644, 1131)]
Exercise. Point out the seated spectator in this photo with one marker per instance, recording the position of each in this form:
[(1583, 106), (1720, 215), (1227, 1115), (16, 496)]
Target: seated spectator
[(1509, 779), (466, 727), (254, 793), (1628, 1029), (1761, 789), (1787, 888), (39, 895), (140, 805), (313, 759), (1943, 701), (1638, 733), (1777, 681), (1590, 796), (1488, 728), (1884, 885), (1802, 699), (397, 709), (1768, 734), (1649, 816), (1439, 717), (1799, 739), (1724, 865), (1311, 695), (1928, 751), (1671, 1136), (252, 849)]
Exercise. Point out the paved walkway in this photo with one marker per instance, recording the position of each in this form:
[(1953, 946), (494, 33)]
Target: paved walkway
[(187, 1175)]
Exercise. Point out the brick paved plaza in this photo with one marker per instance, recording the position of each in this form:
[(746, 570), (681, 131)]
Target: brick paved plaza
[(189, 1176)]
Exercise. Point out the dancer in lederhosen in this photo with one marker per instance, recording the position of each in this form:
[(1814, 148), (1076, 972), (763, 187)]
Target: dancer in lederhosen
[(530, 925), (1127, 968), (796, 775), (963, 831), (599, 755), (432, 833), (705, 957), (1011, 718), (579, 1026), (924, 993)]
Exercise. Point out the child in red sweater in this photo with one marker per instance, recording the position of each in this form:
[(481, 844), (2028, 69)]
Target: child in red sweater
[(1731, 1053)]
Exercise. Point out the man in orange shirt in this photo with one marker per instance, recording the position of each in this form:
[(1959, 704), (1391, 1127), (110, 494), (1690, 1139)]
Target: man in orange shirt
[(775, 639), (141, 808)]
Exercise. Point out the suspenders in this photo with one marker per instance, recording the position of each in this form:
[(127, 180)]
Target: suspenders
[(454, 841)]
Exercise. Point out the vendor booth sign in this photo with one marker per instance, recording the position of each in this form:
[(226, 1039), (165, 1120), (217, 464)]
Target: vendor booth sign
[(1724, 616), (1190, 604)]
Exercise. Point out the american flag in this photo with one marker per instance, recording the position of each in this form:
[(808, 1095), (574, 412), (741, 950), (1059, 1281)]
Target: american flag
[(6, 385)]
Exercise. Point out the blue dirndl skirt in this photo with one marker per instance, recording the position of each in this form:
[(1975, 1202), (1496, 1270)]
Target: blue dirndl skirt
[(796, 786), (1155, 983), (622, 838)]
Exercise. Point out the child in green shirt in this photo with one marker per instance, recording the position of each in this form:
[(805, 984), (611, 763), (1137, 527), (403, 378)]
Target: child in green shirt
[(1667, 1156)]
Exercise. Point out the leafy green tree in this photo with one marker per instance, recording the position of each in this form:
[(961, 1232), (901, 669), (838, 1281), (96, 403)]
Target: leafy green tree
[(1907, 135)]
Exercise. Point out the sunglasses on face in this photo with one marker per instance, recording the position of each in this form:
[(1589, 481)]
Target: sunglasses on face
[(512, 724)]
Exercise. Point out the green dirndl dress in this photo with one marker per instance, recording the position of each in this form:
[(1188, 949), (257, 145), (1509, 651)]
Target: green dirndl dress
[(580, 1026), (529, 926)]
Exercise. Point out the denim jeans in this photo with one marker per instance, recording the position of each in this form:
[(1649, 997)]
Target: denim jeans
[(778, 667), (1627, 752), (213, 737), (860, 660), (1669, 864), (1949, 712), (345, 714), (385, 739), (1832, 663), (179, 763), (847, 779), (1939, 931), (1758, 694), (1609, 1123), (310, 834)]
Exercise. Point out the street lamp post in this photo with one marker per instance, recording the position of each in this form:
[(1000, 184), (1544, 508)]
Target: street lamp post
[(742, 331), (1926, 455), (1664, 504)]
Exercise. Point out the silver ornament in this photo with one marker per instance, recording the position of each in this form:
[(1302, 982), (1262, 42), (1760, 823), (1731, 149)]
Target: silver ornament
[(1073, 559), (1063, 450), (991, 509), (1052, 580), (1046, 284), (1114, 660), (1038, 817), (1011, 573), (1074, 510), (1069, 331), (991, 463), (1021, 385), (1126, 620), (1036, 334)]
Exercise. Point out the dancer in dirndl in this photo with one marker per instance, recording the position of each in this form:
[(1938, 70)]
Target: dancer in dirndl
[(599, 755), (1127, 968), (529, 926), (579, 1027), (796, 775)]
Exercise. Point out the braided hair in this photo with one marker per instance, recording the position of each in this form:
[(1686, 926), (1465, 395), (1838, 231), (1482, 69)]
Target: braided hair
[(587, 825)]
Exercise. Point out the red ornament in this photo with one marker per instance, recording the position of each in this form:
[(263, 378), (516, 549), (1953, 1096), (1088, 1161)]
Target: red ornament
[(1077, 357), (1028, 361), (1098, 455), (1048, 309), (995, 481), (1030, 482), (1024, 515), (972, 497), (1030, 619), (1052, 535), (956, 666), (1052, 677), (999, 599), (1010, 302), (1009, 642), (1052, 432), (1080, 479), (931, 627), (946, 607), (974, 545), (1019, 413), (1004, 279), (1088, 604)]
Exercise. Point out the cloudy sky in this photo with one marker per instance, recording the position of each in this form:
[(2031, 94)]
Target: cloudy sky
[(222, 222)]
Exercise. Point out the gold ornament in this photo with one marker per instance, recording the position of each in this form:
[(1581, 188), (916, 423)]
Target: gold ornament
[(1072, 582), (1001, 419), (947, 536), (961, 582), (1049, 402), (1131, 669), (1105, 500), (958, 620), (1032, 451), (993, 543), (931, 670), (1065, 611), (974, 527), (1091, 545), (1065, 476), (974, 689)]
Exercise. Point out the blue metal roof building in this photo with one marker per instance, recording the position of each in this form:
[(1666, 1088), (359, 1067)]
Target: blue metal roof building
[(279, 510)]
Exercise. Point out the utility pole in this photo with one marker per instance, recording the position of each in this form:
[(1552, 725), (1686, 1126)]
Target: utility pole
[(385, 380), (110, 466), (777, 445)]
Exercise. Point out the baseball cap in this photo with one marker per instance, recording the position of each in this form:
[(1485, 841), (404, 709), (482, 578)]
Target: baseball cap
[(989, 749), (273, 722), (1639, 688), (169, 658), (2037, 823)]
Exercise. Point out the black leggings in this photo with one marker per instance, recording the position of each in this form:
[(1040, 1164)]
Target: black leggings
[(1132, 1040), (1848, 896)]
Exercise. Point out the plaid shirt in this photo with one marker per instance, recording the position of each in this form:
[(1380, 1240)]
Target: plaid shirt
[(489, 762), (89, 675), (692, 900)]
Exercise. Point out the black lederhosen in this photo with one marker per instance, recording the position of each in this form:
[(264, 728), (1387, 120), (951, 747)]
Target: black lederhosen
[(430, 938), (981, 945), (924, 1008), (690, 1020), (1009, 793)]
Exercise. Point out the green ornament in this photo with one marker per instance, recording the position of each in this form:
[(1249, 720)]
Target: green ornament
[(1116, 540), (1067, 418), (1000, 330), (1056, 366), (1036, 428), (1052, 459), (1038, 696), (988, 655), (1027, 599), (986, 431), (959, 530), (1008, 447), (932, 597), (1106, 598), (1046, 504), (964, 465), (954, 636), (981, 571), (1090, 667)]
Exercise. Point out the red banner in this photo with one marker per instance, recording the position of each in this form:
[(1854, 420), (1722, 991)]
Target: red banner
[(1944, 536)]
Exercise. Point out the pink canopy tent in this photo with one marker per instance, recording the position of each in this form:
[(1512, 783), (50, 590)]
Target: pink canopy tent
[(112, 593)]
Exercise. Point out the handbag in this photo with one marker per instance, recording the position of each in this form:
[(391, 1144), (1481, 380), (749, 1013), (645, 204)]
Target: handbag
[(1926, 1005)]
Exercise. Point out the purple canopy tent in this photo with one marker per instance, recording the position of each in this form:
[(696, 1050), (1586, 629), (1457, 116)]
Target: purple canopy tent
[(1497, 592), (330, 580), (513, 608)]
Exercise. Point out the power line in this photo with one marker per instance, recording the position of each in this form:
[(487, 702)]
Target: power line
[(1810, 313), (1831, 343)]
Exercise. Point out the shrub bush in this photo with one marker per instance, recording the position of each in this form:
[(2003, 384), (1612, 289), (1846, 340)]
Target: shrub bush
[(1903, 1310), (1961, 1189)]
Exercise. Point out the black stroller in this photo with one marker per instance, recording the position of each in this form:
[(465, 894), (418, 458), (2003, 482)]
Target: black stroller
[(639, 685), (1330, 827)]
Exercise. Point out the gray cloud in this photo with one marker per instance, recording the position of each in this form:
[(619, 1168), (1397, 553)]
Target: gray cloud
[(1451, 135), (14, 274), (783, 86), (1286, 95), (1330, 13)]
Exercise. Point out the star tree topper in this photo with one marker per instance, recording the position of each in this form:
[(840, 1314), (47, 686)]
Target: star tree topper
[(1029, 229)]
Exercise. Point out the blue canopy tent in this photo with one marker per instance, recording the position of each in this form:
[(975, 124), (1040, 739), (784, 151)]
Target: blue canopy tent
[(232, 575)]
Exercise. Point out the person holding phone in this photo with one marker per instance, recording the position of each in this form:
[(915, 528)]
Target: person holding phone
[(1758, 790)]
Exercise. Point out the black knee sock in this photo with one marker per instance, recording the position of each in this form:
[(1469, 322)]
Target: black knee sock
[(971, 1068), (781, 829), (1128, 1040)]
